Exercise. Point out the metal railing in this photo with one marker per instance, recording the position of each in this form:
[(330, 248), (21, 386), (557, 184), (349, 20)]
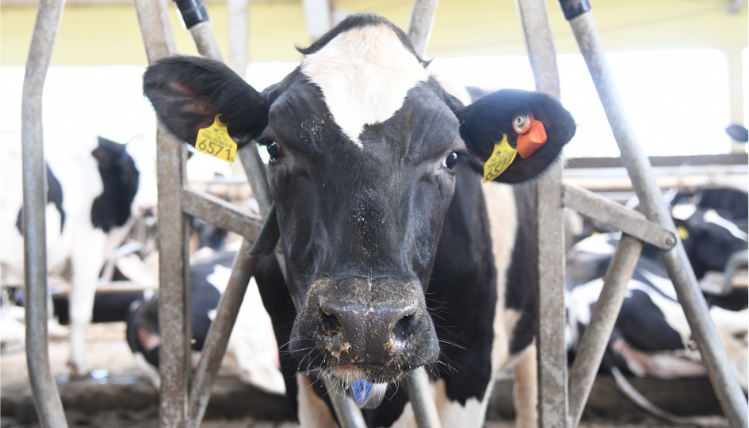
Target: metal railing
[(183, 401)]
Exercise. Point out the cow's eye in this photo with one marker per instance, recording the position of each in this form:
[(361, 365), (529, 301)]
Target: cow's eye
[(450, 160), (274, 150)]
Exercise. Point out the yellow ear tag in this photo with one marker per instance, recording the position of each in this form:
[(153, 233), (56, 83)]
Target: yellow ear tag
[(215, 141), (500, 159), (683, 233)]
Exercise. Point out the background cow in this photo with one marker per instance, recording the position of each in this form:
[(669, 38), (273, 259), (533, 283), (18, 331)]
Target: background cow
[(397, 257), (91, 192), (651, 336), (252, 346)]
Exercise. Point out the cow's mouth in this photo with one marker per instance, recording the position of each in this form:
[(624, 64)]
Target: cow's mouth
[(346, 374)]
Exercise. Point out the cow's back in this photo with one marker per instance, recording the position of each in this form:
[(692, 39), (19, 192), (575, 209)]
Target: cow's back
[(68, 213)]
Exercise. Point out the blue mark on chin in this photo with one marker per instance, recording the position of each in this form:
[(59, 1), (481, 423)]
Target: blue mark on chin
[(361, 389)]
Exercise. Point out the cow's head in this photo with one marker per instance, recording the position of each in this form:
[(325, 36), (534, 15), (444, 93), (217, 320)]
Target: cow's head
[(364, 146)]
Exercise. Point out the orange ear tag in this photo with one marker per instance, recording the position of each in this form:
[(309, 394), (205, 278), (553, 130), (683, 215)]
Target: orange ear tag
[(531, 134), (501, 158), (215, 141)]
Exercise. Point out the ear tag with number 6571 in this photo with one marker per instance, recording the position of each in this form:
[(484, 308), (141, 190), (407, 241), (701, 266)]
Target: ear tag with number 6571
[(215, 141), (501, 158)]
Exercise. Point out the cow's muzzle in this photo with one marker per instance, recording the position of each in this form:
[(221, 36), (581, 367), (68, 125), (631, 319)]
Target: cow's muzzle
[(359, 328)]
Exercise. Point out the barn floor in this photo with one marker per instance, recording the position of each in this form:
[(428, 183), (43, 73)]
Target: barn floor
[(122, 397)]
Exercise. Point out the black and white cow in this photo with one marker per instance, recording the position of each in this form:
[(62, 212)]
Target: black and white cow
[(397, 256), (651, 336), (90, 193), (252, 346)]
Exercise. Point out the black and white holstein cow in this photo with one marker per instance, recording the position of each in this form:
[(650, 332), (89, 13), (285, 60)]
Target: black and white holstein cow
[(397, 256), (651, 336), (251, 346), (90, 193)]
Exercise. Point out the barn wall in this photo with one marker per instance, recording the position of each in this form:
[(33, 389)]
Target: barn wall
[(476, 27)]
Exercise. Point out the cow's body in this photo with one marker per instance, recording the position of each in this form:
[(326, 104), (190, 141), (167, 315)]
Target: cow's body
[(90, 193), (396, 256), (251, 343), (651, 336)]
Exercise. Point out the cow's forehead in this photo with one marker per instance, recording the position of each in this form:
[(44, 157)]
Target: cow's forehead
[(365, 74)]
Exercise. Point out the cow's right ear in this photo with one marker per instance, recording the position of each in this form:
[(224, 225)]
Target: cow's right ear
[(188, 92)]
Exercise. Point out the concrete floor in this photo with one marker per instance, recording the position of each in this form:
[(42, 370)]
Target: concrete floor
[(121, 396)]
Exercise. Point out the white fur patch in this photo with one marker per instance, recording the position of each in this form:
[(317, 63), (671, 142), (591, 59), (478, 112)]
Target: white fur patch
[(365, 74)]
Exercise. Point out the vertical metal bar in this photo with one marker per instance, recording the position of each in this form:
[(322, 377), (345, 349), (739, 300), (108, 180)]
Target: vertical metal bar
[(677, 264), (218, 335), (174, 283), (602, 320), (420, 24), (174, 296), (155, 28), (238, 34), (539, 42), (46, 396), (425, 411), (349, 415), (255, 170), (552, 355), (206, 41)]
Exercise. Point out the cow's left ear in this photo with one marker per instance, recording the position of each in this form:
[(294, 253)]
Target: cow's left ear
[(522, 118)]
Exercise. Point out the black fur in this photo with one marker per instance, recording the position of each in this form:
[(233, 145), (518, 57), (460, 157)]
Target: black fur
[(187, 93), (120, 179)]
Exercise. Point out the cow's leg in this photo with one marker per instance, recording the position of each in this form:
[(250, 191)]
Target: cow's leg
[(87, 260), (525, 390)]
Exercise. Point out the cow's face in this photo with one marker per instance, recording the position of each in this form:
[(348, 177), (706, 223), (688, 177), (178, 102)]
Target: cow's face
[(363, 146)]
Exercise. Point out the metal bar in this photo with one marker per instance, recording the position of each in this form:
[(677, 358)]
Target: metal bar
[(552, 355), (628, 221), (602, 320), (348, 413), (46, 396), (220, 331), (218, 335), (677, 264), (422, 401), (205, 40), (221, 213), (174, 301), (237, 24), (174, 283), (539, 42), (420, 24), (255, 170), (155, 29)]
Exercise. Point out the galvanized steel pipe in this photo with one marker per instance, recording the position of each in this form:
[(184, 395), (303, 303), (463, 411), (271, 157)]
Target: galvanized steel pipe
[(420, 24), (46, 396), (218, 334), (602, 320), (552, 353), (422, 401), (727, 389)]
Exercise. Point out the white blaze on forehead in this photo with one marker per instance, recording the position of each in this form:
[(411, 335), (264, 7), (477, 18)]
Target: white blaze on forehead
[(365, 74)]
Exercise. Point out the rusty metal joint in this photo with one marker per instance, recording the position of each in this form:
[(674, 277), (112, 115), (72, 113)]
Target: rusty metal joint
[(628, 221), (221, 213)]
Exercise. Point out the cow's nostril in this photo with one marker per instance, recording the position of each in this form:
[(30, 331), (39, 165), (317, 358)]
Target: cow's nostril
[(404, 327), (330, 323)]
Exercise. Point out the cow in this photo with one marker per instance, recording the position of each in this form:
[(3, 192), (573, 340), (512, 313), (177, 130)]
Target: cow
[(396, 256), (252, 346), (651, 336), (90, 194)]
